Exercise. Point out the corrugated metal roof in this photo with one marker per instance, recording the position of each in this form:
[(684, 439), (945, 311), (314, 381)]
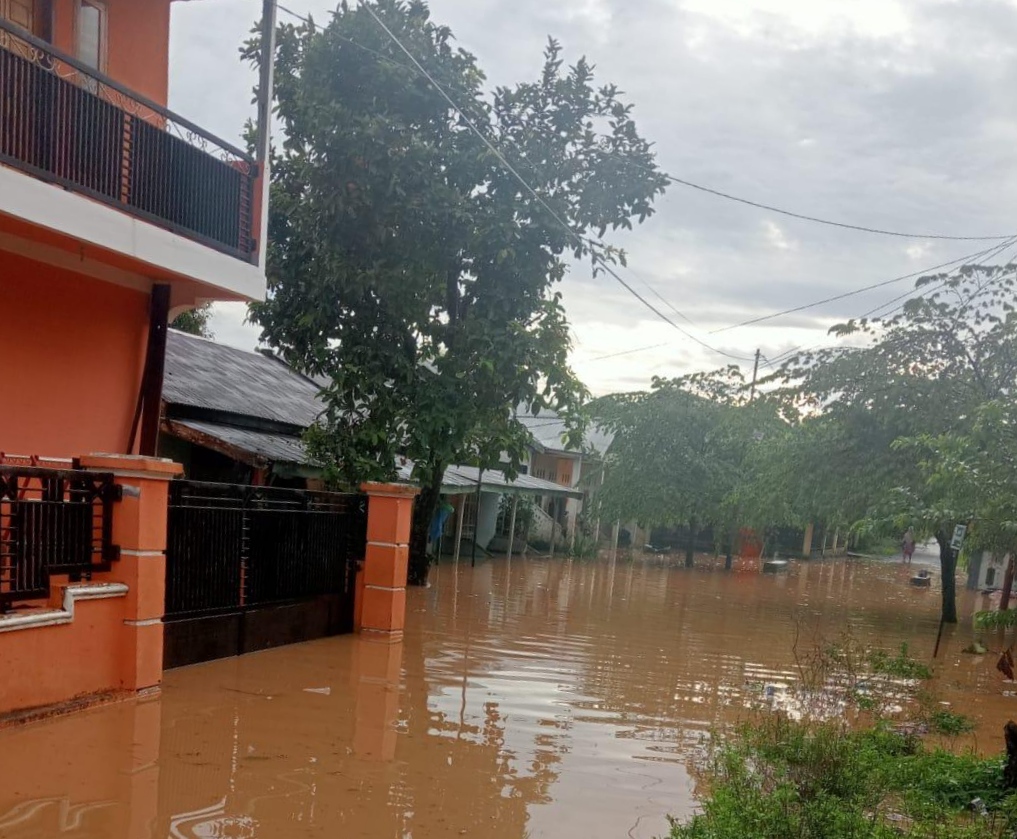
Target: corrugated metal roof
[(282, 448), (463, 479), (203, 374), (548, 430), (278, 448)]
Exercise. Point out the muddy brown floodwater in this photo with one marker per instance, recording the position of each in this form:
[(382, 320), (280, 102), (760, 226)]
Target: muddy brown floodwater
[(529, 698)]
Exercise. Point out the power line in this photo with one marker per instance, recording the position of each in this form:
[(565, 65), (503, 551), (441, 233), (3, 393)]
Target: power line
[(770, 208), (631, 352), (997, 251), (992, 253), (716, 192), (512, 170), (987, 253), (596, 258), (350, 41), (862, 290), (410, 69)]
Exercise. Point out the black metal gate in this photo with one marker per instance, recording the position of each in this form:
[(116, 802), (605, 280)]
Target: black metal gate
[(254, 567)]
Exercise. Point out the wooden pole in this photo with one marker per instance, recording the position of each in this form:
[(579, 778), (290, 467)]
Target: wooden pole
[(155, 366), (755, 374), (459, 529), (512, 523), (476, 520)]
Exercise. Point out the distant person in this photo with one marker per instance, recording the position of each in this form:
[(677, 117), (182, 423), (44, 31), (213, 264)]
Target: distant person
[(908, 545)]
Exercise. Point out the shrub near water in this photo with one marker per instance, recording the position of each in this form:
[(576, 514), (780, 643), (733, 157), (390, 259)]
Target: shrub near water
[(784, 778)]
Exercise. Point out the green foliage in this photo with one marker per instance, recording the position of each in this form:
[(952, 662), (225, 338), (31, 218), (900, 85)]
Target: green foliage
[(194, 321), (949, 724), (408, 266), (901, 665), (785, 779), (1001, 619), (679, 449), (914, 410), (850, 770)]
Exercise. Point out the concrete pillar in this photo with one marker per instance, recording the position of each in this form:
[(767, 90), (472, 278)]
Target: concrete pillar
[(512, 524), (810, 529), (139, 530), (389, 518), (378, 669)]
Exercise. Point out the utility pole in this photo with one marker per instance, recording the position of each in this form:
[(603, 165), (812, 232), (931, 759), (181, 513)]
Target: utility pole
[(266, 95), (755, 373)]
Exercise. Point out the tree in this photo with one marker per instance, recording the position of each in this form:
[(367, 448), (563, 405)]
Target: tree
[(972, 477), (924, 374), (409, 266), (678, 451), (195, 321)]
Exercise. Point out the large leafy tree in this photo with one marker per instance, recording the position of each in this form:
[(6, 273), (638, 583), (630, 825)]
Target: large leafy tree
[(408, 266), (924, 373), (679, 449)]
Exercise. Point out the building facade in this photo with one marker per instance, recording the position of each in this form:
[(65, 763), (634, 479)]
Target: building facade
[(115, 215)]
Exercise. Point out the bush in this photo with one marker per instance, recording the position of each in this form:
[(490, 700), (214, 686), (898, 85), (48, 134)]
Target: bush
[(845, 764), (785, 779)]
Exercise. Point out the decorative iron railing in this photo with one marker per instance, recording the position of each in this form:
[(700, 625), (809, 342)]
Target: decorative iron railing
[(63, 122), (53, 521), (231, 546)]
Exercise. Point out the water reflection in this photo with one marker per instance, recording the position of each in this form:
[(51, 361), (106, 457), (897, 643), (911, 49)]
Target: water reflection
[(531, 698)]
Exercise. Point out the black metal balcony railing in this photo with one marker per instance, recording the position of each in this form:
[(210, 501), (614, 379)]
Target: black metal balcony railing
[(65, 123), (53, 521)]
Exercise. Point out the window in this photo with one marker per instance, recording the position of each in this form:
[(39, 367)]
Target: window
[(91, 34), (19, 12)]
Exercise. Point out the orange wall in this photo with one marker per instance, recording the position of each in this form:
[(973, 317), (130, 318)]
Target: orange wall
[(138, 42), (558, 470), (58, 663), (71, 355)]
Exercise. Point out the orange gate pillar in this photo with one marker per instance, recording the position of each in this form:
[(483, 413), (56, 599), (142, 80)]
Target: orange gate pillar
[(381, 590), (139, 529)]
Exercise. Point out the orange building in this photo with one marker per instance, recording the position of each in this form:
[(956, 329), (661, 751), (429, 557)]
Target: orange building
[(115, 215)]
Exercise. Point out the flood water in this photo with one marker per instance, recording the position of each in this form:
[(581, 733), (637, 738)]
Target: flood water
[(540, 698)]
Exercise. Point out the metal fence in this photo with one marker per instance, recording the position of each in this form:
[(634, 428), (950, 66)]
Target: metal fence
[(53, 521), (231, 546), (66, 123)]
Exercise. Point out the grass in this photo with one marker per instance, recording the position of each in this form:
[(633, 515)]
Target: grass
[(819, 777)]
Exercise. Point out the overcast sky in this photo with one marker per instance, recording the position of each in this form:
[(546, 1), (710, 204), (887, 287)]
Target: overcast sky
[(895, 114)]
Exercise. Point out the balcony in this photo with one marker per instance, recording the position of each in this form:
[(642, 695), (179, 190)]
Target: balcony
[(69, 125)]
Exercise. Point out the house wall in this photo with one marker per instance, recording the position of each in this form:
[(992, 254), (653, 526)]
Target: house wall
[(103, 638), (487, 518), (991, 571), (72, 353), (137, 39)]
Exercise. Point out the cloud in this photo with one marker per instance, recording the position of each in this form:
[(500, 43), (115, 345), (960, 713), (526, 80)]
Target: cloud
[(776, 236), (889, 113)]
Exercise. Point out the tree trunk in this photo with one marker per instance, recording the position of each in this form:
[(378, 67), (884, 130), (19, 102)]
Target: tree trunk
[(948, 568), (690, 547), (424, 507), (1004, 600), (1010, 770)]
